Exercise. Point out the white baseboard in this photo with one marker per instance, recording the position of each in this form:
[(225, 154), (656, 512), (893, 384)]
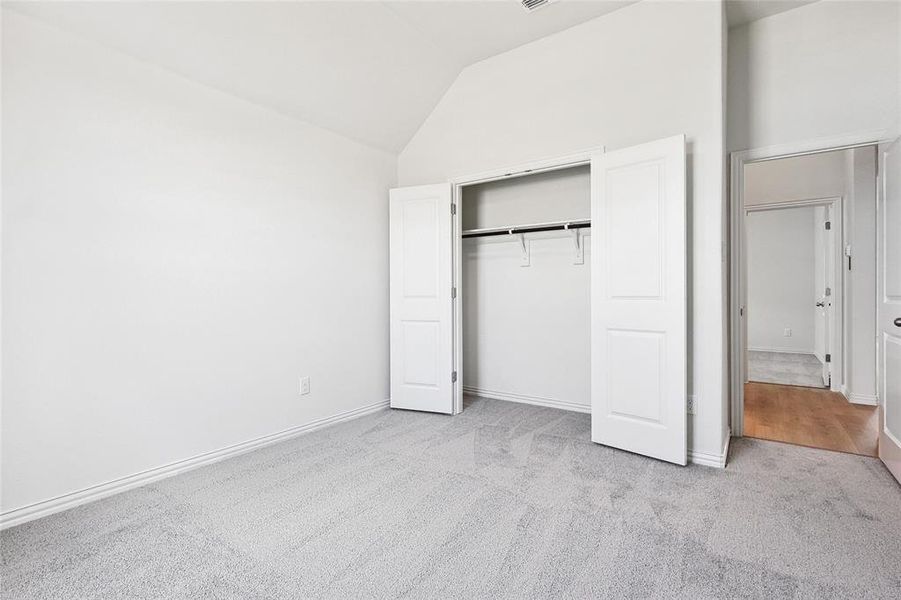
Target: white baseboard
[(524, 399), (869, 400), (60, 503), (711, 460), (780, 350)]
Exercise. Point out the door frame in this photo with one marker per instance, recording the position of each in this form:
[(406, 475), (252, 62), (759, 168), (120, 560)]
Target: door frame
[(836, 341), (525, 169), (737, 162)]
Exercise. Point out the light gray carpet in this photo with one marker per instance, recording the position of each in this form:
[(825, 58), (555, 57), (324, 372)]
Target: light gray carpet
[(505, 500), (786, 368)]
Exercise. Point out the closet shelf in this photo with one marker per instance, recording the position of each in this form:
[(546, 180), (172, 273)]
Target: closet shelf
[(531, 228)]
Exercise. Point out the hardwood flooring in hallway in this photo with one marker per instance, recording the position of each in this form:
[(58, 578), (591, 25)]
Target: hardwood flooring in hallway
[(810, 417)]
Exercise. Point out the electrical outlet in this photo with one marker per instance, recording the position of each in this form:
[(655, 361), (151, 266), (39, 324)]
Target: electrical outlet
[(787, 332), (304, 386), (691, 405)]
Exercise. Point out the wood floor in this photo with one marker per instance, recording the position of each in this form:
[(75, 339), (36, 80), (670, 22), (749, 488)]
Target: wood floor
[(810, 417)]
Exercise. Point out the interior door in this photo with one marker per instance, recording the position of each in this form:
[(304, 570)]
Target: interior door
[(421, 305), (889, 308), (638, 300)]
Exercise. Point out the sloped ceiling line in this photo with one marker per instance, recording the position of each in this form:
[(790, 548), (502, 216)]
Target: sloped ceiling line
[(370, 71)]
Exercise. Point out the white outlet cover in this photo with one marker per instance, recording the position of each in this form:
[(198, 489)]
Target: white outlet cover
[(304, 386)]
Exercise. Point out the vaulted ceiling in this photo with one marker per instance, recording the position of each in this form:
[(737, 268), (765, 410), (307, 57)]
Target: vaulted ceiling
[(369, 70)]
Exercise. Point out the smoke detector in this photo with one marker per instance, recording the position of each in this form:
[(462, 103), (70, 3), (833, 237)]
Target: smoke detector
[(533, 5)]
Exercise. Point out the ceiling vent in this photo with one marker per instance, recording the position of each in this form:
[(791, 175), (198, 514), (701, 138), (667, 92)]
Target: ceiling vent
[(533, 5)]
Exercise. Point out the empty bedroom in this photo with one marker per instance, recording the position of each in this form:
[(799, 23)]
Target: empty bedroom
[(450, 299)]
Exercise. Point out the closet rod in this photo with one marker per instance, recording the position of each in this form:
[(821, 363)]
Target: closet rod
[(551, 226)]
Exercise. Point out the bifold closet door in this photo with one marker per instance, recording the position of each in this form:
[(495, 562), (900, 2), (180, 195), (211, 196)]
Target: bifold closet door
[(421, 306), (638, 300)]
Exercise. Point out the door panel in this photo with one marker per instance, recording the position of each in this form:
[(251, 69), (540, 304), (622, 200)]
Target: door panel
[(889, 308), (420, 298), (638, 300)]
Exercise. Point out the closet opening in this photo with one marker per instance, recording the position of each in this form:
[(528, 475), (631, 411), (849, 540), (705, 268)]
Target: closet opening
[(523, 294), (494, 291)]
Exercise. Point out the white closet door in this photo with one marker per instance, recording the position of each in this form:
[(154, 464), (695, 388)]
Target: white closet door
[(889, 309), (421, 305), (638, 300)]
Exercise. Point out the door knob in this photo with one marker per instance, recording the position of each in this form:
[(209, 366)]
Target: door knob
[(897, 322), (821, 304)]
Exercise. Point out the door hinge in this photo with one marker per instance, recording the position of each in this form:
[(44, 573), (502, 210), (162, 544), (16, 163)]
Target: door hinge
[(453, 208), (828, 358), (828, 225), (453, 377), (454, 292)]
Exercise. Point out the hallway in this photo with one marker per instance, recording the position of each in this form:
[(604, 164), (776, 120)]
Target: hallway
[(810, 417)]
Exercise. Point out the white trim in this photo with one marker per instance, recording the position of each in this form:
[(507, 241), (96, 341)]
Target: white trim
[(891, 437), (717, 461), (529, 168), (780, 350), (866, 399), (524, 399), (737, 161), (786, 204), (60, 503), (816, 146)]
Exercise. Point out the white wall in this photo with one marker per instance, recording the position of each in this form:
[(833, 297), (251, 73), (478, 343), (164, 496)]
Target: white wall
[(173, 260), (526, 329), (603, 83), (798, 178), (553, 196), (781, 290), (820, 71), (860, 280)]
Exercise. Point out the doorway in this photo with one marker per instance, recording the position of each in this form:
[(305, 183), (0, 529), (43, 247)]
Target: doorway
[(793, 305), (804, 289)]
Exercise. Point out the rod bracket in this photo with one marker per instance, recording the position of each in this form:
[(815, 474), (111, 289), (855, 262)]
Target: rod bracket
[(578, 248), (525, 259)]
